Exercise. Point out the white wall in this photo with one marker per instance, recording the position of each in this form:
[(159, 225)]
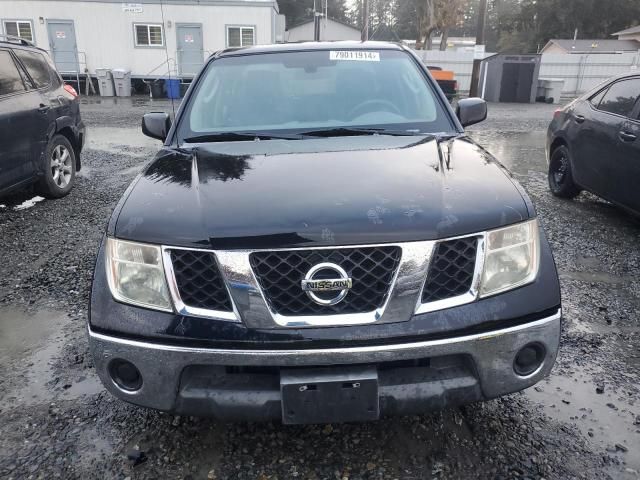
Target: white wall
[(105, 33), (329, 30), (579, 72), (461, 63), (583, 72)]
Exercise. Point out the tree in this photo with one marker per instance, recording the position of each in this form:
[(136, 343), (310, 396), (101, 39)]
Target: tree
[(406, 19), (437, 15), (426, 15), (448, 15), (527, 25)]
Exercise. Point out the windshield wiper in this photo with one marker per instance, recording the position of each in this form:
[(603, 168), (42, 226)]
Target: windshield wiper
[(239, 136), (354, 131)]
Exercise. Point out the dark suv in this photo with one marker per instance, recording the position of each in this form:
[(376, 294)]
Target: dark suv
[(319, 241), (41, 133)]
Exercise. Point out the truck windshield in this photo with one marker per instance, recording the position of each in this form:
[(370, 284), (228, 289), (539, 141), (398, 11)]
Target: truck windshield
[(298, 92)]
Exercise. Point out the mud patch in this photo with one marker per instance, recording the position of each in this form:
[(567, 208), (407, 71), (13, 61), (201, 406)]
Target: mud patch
[(22, 331), (31, 342), (607, 419)]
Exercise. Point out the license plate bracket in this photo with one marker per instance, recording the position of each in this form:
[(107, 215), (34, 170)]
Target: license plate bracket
[(329, 395)]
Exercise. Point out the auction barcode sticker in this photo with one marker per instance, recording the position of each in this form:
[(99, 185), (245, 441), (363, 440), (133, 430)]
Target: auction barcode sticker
[(355, 55)]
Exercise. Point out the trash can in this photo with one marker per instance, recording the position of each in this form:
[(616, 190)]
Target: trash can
[(156, 89), (172, 85), (552, 88), (122, 80), (105, 82)]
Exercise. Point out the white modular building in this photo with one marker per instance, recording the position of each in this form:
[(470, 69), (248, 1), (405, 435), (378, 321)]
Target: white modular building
[(330, 30), (150, 38)]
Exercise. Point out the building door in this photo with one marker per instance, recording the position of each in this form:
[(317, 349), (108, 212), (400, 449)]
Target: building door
[(190, 53), (516, 82), (62, 40)]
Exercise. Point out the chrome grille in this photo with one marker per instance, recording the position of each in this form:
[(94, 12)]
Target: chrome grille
[(199, 282), (451, 270), (280, 273)]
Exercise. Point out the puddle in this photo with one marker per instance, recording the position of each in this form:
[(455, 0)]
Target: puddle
[(96, 447), (22, 332), (520, 152), (593, 271), (593, 414), (596, 277), (89, 172), (118, 140), (32, 342), (131, 171)]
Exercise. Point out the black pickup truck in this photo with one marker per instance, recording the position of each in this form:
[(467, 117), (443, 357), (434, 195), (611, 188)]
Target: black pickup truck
[(319, 241)]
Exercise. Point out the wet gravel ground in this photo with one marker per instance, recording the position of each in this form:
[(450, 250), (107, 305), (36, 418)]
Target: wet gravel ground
[(57, 422)]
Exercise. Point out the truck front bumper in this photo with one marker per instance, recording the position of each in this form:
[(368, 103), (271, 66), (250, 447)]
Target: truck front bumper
[(248, 384)]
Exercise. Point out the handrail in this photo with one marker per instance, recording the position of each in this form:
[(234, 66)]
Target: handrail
[(79, 64), (167, 62)]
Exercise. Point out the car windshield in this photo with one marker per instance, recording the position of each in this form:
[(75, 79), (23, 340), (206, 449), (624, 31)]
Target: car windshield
[(300, 92)]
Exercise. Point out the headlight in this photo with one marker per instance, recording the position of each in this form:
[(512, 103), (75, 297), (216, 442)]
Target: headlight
[(135, 274), (511, 258)]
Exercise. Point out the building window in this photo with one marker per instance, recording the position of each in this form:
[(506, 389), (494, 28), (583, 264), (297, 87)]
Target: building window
[(19, 28), (241, 36), (149, 35)]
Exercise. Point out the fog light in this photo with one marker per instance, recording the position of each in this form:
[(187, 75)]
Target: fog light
[(529, 359), (125, 375)]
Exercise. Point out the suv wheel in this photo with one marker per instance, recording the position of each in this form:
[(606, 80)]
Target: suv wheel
[(560, 176), (60, 168)]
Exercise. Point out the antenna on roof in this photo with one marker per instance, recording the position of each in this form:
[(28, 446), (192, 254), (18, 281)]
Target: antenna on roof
[(316, 22), (365, 20), (166, 54)]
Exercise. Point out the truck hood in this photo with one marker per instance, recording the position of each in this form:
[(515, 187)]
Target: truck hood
[(330, 191)]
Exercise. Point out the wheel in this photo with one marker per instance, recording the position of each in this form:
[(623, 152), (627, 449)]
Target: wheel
[(60, 168), (560, 176)]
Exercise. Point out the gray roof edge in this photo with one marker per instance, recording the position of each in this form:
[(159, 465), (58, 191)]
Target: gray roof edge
[(635, 29), (304, 22), (603, 44)]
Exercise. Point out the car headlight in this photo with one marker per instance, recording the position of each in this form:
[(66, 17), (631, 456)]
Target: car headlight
[(511, 258), (135, 274)]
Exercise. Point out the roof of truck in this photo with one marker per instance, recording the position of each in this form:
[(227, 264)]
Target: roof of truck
[(307, 46)]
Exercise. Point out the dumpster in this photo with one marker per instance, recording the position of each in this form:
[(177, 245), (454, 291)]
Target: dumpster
[(552, 88), (172, 86), (122, 81), (105, 82)]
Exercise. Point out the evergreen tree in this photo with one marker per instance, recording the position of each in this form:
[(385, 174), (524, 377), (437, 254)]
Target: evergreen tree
[(299, 11)]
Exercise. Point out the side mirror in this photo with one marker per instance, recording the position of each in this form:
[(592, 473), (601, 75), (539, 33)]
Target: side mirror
[(471, 111), (156, 125)]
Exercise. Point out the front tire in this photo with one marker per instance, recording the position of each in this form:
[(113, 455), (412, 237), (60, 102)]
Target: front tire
[(560, 175), (60, 168)]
